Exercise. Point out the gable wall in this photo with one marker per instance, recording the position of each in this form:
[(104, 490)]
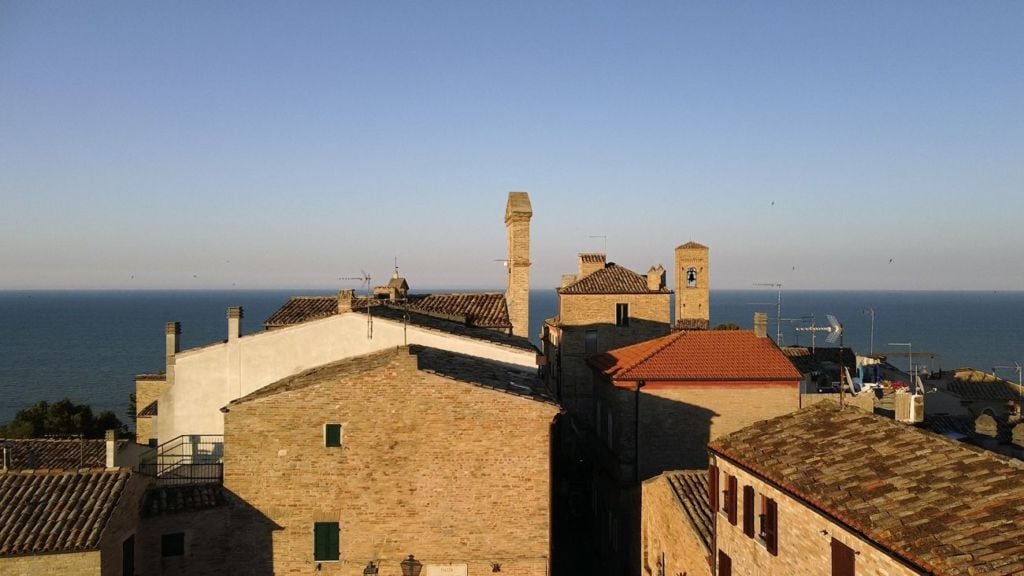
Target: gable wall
[(429, 466), (208, 378)]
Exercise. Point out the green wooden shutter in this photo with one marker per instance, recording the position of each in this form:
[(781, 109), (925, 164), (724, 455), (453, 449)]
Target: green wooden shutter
[(333, 435), (326, 541)]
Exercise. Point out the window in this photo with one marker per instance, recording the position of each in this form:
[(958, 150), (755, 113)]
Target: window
[(691, 277), (724, 564), (172, 544), (622, 314), (332, 435), (326, 540), (729, 499), (128, 556), (769, 529), (748, 511), (842, 559), (590, 341)]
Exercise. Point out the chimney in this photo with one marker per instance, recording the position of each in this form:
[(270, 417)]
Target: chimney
[(761, 324), (590, 263), (656, 278), (518, 212), (111, 448), (235, 315), (567, 279), (345, 300), (171, 331)]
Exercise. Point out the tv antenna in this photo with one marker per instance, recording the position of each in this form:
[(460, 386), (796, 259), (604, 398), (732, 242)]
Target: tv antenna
[(778, 308), (835, 332), (366, 280)]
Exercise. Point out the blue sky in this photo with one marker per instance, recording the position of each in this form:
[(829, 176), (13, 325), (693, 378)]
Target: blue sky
[(285, 145)]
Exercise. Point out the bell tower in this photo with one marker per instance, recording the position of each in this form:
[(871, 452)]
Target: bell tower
[(693, 302), (518, 212)]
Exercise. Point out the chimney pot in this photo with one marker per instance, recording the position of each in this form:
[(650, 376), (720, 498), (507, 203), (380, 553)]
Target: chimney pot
[(345, 298), (235, 315), (590, 263), (111, 441), (656, 278), (761, 324)]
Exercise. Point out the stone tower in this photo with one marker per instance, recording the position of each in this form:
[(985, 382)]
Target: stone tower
[(518, 212), (693, 303)]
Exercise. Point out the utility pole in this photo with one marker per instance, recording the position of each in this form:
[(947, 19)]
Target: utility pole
[(871, 311)]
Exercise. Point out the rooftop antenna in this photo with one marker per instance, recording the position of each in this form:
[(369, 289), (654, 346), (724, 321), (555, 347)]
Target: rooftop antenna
[(367, 280), (871, 311), (778, 309), (605, 239), (835, 332)]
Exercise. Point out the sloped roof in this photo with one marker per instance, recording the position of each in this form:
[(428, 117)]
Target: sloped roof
[(807, 360), (940, 505), (160, 500), (692, 244), (970, 384), (45, 511), (483, 310), (711, 356), (612, 279), (691, 490), (461, 367), (448, 325), (56, 454)]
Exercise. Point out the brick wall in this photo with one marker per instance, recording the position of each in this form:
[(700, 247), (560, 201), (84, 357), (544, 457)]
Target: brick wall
[(517, 293), (147, 390), (693, 302), (80, 563), (803, 542), (677, 422), (429, 466), (583, 313), (123, 523), (207, 543), (665, 529)]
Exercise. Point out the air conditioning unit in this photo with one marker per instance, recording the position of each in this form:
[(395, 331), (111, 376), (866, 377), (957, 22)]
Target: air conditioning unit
[(909, 407)]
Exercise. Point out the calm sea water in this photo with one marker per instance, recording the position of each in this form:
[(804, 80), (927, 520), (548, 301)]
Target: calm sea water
[(89, 345)]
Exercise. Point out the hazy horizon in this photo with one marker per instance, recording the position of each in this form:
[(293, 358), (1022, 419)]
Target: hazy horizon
[(872, 146)]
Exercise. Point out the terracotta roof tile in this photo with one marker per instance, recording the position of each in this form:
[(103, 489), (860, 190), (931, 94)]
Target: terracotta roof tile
[(160, 500), (712, 356), (691, 490), (56, 454), (612, 279), (483, 310), (941, 505), (45, 511)]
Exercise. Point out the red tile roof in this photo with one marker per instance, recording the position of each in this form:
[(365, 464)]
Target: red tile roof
[(704, 356), (44, 511), (612, 279), (942, 506)]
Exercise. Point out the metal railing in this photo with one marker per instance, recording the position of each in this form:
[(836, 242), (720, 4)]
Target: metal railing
[(187, 459)]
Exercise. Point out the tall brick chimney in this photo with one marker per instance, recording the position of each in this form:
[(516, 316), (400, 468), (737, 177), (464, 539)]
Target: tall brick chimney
[(761, 324), (590, 263), (518, 212), (171, 331), (111, 449), (235, 315)]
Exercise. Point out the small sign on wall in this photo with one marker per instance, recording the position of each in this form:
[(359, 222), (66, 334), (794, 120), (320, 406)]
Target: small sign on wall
[(446, 570)]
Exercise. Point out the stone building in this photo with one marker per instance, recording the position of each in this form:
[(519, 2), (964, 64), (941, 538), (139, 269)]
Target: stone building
[(693, 285), (311, 331), (676, 525), (831, 490), (410, 450), (185, 530), (603, 306), (80, 521), (659, 402)]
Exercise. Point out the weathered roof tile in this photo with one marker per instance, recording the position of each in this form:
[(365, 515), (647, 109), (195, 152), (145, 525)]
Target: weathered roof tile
[(612, 279)]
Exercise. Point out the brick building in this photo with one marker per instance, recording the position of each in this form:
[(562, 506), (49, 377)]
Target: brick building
[(676, 526), (659, 402), (412, 450), (830, 490), (80, 522), (603, 306)]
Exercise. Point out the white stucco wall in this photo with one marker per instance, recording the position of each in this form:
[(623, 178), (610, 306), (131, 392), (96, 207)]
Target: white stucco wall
[(208, 378)]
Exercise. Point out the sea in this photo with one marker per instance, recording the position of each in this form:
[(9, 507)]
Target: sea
[(89, 345)]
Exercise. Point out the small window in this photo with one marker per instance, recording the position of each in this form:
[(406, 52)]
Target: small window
[(590, 341), (326, 542), (622, 314), (172, 544), (332, 435)]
